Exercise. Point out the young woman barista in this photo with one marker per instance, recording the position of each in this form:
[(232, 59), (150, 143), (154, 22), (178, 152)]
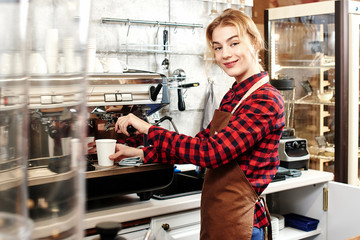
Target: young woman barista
[(240, 146)]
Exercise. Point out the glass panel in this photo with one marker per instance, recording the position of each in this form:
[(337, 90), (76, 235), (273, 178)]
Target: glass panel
[(303, 49), (57, 117), (14, 221), (359, 120)]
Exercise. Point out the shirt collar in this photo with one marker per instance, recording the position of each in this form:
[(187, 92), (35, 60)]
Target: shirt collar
[(242, 87)]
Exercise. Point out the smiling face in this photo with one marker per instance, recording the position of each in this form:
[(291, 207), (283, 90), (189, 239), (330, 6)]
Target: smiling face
[(234, 53)]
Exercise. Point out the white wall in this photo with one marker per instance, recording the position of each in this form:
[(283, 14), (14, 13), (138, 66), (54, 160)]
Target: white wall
[(187, 47)]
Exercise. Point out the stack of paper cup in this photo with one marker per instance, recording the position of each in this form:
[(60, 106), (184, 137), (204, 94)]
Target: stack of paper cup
[(91, 55), (281, 220), (69, 54), (274, 226), (52, 49)]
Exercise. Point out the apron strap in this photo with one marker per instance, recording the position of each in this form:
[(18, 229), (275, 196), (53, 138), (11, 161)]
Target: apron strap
[(251, 90), (269, 228)]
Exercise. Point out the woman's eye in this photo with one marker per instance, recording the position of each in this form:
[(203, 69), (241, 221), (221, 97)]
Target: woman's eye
[(217, 48), (234, 43)]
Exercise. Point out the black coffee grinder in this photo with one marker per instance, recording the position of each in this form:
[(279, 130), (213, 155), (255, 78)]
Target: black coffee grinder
[(293, 152)]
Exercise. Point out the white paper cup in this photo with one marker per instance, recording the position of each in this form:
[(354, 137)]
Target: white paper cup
[(37, 64), (112, 64), (105, 147), (98, 66), (91, 55), (52, 49), (5, 63)]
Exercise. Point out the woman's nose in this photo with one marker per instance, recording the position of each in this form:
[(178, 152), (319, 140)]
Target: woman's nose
[(226, 53)]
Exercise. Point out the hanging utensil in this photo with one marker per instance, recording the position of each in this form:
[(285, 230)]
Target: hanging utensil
[(181, 102), (165, 63)]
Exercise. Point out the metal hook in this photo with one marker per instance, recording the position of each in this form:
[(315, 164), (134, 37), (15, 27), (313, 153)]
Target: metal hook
[(158, 27), (193, 31), (175, 30), (128, 30)]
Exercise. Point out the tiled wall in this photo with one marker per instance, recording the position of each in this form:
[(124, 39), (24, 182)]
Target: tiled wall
[(187, 46)]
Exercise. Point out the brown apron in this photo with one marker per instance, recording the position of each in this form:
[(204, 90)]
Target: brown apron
[(228, 199)]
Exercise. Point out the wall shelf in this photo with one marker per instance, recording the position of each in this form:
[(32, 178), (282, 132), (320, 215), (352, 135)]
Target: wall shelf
[(147, 22)]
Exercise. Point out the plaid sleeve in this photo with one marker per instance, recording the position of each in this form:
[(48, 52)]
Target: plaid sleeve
[(133, 141), (204, 133), (156, 155), (256, 119)]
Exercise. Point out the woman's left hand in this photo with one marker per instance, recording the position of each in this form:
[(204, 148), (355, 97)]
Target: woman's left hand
[(122, 151)]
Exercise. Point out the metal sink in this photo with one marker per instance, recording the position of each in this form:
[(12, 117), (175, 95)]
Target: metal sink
[(183, 184)]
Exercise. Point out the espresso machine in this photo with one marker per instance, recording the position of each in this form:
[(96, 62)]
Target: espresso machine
[(293, 152), (111, 95)]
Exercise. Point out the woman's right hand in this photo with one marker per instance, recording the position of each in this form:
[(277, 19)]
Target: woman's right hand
[(131, 120), (92, 147)]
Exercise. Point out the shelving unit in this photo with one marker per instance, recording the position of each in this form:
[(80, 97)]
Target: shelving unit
[(148, 48), (289, 233), (301, 195)]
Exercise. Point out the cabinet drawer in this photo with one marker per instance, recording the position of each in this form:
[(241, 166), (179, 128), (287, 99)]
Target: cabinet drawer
[(182, 225)]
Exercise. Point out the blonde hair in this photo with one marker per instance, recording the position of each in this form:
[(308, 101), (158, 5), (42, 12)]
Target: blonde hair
[(245, 26)]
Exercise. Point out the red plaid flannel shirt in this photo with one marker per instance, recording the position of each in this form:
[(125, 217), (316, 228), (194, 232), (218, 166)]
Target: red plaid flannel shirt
[(251, 138)]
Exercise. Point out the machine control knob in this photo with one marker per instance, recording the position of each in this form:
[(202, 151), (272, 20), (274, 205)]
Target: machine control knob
[(154, 91), (296, 144), (109, 230)]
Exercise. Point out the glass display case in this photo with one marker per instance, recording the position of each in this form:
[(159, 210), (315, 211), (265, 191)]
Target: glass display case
[(302, 45)]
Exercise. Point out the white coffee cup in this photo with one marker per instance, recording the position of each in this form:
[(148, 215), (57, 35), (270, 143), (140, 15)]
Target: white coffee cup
[(91, 55), (51, 49), (5, 63), (98, 66), (105, 147), (18, 63), (69, 55), (37, 64), (114, 65)]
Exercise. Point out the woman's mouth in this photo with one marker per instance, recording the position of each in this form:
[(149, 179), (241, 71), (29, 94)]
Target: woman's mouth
[(230, 64)]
